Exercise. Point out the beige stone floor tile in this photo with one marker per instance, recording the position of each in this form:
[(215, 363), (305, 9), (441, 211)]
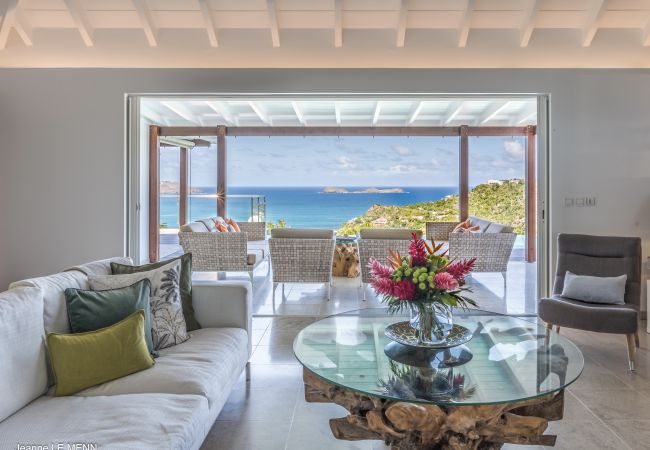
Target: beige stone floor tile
[(316, 435), (273, 354), (260, 404), (616, 404), (247, 435), (587, 435), (635, 433)]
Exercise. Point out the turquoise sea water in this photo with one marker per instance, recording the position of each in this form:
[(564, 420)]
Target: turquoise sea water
[(301, 207)]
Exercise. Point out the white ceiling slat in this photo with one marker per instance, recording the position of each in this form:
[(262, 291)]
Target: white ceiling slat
[(528, 25), (223, 110), (493, 110), (147, 22), (7, 21), (181, 110), (645, 37), (273, 23), (80, 19), (415, 113), (401, 25), (261, 114), (465, 23), (453, 110), (209, 23), (299, 115), (337, 113), (593, 21), (23, 28), (338, 23), (375, 116)]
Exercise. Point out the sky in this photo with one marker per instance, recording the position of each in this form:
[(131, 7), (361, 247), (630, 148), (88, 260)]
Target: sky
[(351, 161)]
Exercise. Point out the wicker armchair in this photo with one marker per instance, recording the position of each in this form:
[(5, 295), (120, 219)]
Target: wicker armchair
[(301, 256), (491, 245), (218, 252), (375, 243), (256, 234)]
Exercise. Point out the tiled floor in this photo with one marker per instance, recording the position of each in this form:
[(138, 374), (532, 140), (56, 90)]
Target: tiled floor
[(518, 297), (607, 408)]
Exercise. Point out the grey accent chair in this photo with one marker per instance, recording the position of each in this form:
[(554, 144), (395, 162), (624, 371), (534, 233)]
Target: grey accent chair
[(301, 256), (600, 256), (375, 243)]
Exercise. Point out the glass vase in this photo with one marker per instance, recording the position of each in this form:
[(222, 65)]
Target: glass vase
[(432, 323)]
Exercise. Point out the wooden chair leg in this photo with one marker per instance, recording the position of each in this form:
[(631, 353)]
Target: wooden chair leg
[(631, 350), (636, 339), (557, 329), (549, 328)]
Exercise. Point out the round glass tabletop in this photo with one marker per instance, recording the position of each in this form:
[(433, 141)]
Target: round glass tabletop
[(507, 360)]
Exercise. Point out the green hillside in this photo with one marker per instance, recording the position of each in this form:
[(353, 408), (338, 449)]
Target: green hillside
[(502, 202)]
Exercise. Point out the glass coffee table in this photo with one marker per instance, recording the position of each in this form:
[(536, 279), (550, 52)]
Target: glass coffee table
[(503, 386)]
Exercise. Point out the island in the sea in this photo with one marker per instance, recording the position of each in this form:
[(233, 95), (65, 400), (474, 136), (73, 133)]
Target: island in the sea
[(174, 188), (370, 190)]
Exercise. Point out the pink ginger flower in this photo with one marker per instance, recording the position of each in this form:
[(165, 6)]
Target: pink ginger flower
[(417, 251), (460, 269), (404, 290), (379, 270), (383, 286), (446, 281)]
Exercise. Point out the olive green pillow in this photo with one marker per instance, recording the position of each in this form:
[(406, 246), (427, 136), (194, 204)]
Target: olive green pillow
[(92, 310), (185, 283), (82, 360)]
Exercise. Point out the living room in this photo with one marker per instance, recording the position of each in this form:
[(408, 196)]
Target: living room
[(269, 359)]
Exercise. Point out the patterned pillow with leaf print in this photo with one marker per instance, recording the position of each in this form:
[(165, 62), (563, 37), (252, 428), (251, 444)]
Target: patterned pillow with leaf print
[(168, 326)]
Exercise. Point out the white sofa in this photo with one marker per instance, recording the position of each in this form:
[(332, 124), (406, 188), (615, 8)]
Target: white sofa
[(172, 405)]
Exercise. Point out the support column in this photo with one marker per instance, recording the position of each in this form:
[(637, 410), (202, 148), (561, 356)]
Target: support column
[(154, 193), (463, 182), (221, 171), (531, 195), (184, 186)]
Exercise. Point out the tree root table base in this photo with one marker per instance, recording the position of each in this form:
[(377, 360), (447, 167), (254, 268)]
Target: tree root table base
[(346, 261), (410, 426)]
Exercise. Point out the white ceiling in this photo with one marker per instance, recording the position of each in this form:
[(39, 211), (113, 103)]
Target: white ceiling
[(340, 112), (325, 33)]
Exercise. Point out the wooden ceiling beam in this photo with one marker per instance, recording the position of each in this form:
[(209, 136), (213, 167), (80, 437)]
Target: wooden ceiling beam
[(593, 22), (7, 21), (23, 28), (80, 19), (465, 24), (147, 22), (209, 23), (273, 23), (338, 23), (401, 24), (528, 24), (645, 36)]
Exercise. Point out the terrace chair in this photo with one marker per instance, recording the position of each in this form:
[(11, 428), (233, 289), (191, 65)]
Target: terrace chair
[(491, 244), (375, 243), (255, 234), (600, 256), (301, 256), (217, 252)]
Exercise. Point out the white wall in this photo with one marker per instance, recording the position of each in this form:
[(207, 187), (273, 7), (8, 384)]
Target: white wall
[(62, 145)]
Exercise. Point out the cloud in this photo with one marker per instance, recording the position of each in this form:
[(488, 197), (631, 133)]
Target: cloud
[(402, 150), (403, 168), (346, 163), (514, 149)]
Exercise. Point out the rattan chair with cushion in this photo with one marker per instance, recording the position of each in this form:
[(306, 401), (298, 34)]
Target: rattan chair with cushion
[(375, 242), (217, 252), (599, 256), (301, 256)]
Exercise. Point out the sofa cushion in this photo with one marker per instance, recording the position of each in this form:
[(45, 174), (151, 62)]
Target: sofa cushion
[(82, 360), (206, 365), (302, 233), (498, 228), (101, 267), (55, 316), (388, 233), (141, 421), (482, 224), (209, 224), (23, 370)]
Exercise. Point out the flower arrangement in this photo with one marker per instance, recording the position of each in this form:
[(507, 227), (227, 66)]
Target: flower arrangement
[(423, 278)]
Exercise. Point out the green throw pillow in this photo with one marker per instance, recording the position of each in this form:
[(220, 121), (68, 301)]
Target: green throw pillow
[(82, 360), (185, 283), (92, 310)]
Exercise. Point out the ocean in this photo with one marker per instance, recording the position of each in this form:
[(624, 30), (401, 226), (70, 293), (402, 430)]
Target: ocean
[(300, 207)]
